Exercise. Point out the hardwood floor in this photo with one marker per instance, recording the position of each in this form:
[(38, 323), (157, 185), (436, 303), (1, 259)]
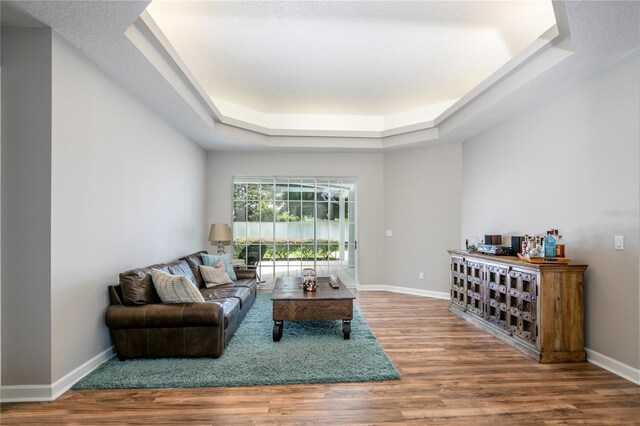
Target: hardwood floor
[(452, 373)]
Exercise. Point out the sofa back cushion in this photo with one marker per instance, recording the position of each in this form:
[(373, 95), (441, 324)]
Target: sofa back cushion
[(137, 285), (194, 260), (181, 267)]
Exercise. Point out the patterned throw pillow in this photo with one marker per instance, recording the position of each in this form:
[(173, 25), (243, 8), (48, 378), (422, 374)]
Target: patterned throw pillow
[(212, 259), (214, 276), (175, 288)]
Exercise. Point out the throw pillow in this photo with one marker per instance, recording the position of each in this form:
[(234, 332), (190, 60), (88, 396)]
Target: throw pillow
[(214, 276), (175, 288), (212, 259)]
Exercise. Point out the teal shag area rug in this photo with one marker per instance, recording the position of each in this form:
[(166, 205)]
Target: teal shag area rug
[(309, 352)]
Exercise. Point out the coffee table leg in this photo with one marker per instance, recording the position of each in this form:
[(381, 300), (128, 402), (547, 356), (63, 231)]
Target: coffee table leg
[(346, 329), (277, 331)]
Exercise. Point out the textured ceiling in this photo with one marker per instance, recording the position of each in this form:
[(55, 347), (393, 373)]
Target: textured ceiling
[(601, 33), (352, 58)]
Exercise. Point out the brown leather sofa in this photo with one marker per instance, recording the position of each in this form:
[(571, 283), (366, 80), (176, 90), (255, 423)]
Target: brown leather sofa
[(142, 326)]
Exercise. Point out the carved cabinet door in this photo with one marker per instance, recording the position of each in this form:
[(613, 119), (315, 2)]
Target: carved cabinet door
[(458, 282), (475, 278), (522, 305), (496, 295)]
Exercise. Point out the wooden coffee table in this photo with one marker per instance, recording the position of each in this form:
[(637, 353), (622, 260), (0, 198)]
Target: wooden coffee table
[(291, 303)]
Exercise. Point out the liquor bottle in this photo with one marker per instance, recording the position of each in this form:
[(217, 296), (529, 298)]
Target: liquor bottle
[(560, 247), (524, 245), (549, 245)]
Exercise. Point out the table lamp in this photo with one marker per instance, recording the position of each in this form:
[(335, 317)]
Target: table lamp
[(220, 233)]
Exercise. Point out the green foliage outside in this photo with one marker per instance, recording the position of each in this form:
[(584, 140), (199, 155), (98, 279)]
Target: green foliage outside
[(256, 203), (287, 248)]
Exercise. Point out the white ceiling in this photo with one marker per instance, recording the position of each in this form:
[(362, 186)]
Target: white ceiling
[(345, 58), (114, 34)]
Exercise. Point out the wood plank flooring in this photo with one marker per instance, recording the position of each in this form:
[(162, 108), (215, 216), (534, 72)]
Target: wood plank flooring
[(452, 373)]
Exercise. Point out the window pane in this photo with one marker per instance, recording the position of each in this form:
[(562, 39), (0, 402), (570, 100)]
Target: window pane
[(239, 212), (253, 191), (240, 191), (282, 211), (266, 190), (294, 230), (282, 191), (295, 211), (266, 211), (308, 252), (323, 211), (308, 212), (307, 232), (253, 211), (294, 191)]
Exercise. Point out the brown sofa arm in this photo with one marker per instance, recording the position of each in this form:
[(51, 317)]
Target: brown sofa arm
[(246, 274), (165, 315)]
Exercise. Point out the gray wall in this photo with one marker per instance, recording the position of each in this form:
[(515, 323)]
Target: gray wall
[(571, 164), (127, 191), (93, 183), (367, 168), (422, 209), (26, 206)]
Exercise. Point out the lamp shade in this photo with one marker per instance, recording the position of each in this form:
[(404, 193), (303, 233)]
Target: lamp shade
[(220, 232)]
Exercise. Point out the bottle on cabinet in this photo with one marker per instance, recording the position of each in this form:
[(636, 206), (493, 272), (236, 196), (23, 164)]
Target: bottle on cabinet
[(549, 245), (560, 247)]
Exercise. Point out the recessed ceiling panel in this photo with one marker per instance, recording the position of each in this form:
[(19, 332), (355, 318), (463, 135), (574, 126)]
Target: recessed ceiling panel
[(346, 58)]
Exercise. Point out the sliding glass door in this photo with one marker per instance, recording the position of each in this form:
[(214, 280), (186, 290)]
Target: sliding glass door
[(282, 225)]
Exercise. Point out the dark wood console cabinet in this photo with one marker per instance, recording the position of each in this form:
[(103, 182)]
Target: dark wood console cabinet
[(536, 308)]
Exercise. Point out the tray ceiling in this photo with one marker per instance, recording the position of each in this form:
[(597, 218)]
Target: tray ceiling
[(345, 65)]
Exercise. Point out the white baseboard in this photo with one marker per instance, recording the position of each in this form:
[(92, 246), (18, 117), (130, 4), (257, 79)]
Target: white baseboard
[(31, 393), (406, 290), (616, 367)]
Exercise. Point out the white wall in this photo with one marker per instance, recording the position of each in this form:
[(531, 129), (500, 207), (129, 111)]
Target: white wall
[(127, 191), (26, 202), (422, 209), (571, 164), (367, 168)]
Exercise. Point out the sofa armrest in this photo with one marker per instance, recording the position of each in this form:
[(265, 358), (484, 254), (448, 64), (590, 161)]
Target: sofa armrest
[(176, 315), (246, 274)]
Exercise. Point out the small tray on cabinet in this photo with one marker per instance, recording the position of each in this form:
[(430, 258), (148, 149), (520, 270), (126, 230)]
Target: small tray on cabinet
[(546, 260)]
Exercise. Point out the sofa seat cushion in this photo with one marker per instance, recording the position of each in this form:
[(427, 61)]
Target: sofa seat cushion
[(230, 308), (137, 285), (249, 283), (242, 294)]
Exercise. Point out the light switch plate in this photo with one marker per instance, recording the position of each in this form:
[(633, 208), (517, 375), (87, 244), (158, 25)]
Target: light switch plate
[(619, 242), (389, 233)]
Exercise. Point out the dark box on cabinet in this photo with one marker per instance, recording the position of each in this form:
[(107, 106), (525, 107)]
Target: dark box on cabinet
[(493, 240), (516, 245)]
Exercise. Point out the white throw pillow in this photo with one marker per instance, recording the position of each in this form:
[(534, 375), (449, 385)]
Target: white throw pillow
[(175, 288), (214, 276)]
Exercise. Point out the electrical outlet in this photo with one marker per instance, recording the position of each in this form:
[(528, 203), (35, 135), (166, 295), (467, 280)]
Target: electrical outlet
[(421, 275), (618, 242), (389, 233)]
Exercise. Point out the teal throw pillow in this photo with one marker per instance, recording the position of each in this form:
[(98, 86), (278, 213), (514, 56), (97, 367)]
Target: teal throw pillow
[(212, 259)]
